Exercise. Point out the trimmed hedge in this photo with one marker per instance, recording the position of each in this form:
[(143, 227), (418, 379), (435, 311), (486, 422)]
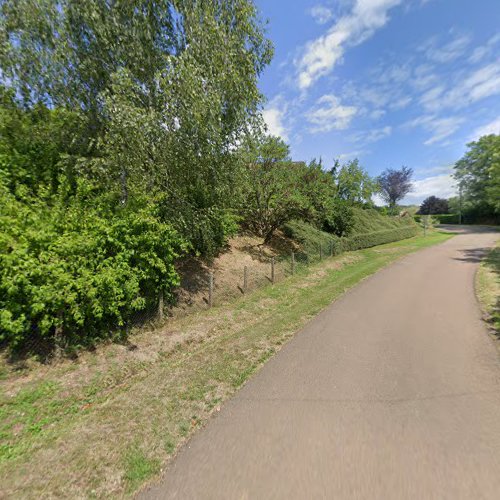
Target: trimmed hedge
[(310, 237), (441, 218), (366, 240)]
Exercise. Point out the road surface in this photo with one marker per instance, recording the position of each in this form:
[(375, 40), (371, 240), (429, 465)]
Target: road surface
[(392, 392)]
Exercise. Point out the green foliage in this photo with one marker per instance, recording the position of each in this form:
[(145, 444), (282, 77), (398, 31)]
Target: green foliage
[(309, 237), (118, 126), (78, 267), (273, 186), (36, 144), (354, 185), (478, 175), (339, 220), (433, 205), (370, 229), (367, 240), (371, 220), (441, 218)]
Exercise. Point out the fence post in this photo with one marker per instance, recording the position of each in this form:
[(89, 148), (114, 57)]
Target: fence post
[(58, 337), (320, 251), (331, 248), (210, 289), (160, 305), (293, 263), (245, 279), (272, 270)]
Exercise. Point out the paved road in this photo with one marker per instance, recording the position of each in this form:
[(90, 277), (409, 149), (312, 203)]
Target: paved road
[(392, 392)]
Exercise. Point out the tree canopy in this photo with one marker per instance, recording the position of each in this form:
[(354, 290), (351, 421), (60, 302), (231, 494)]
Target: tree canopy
[(395, 184), (433, 205), (478, 176)]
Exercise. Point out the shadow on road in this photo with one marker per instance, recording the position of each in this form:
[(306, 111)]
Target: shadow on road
[(473, 254)]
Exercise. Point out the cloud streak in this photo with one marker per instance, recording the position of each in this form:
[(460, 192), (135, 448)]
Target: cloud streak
[(321, 54), (329, 114)]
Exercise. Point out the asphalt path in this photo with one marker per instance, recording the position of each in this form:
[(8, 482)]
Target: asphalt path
[(392, 392)]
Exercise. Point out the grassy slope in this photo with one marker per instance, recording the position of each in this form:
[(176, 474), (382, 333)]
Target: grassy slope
[(65, 434), (488, 287)]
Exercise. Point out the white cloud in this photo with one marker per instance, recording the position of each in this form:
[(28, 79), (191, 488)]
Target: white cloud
[(321, 14), (274, 115), (352, 154), (441, 128), (321, 55), (482, 51), (442, 186), (373, 135), (424, 76), (480, 84), (490, 128), (329, 114), (448, 52)]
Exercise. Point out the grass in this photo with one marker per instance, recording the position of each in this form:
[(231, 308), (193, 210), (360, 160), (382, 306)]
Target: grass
[(488, 287), (104, 426)]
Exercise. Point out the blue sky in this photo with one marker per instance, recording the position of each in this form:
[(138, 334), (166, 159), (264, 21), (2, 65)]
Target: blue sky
[(391, 82)]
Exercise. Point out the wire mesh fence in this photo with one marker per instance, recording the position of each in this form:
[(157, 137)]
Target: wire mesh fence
[(202, 287)]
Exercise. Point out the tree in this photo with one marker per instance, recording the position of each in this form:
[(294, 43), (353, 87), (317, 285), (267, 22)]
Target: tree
[(318, 188), (273, 186), (478, 173), (395, 184), (165, 91), (354, 185), (433, 205)]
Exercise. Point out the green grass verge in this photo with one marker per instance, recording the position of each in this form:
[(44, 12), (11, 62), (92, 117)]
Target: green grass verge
[(81, 430), (488, 287)]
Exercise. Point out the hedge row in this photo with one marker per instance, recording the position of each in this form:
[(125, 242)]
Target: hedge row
[(441, 218), (375, 238), (311, 238)]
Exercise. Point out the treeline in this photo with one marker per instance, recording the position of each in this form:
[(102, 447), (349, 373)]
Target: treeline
[(131, 135), (477, 175)]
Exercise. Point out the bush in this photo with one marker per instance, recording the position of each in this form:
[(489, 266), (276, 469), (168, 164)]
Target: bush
[(309, 237), (79, 269), (340, 219)]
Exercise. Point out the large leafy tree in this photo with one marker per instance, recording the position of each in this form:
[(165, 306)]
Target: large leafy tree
[(395, 185), (478, 175)]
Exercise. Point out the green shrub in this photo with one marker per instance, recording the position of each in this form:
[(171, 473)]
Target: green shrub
[(371, 220), (340, 219), (309, 237), (366, 240), (79, 268), (441, 218), (446, 218)]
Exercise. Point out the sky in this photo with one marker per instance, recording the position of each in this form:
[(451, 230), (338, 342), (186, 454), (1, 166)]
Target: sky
[(390, 82)]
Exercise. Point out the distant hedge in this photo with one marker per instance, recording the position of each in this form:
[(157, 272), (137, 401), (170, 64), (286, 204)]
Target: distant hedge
[(375, 238), (441, 218)]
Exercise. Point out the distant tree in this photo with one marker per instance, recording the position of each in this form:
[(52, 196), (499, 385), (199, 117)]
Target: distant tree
[(433, 205), (395, 185)]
